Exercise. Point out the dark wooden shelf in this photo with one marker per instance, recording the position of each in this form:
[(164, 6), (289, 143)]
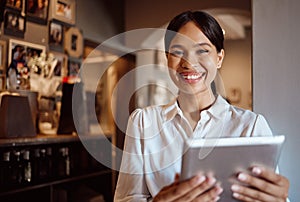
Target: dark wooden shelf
[(48, 139), (85, 169), (55, 182)]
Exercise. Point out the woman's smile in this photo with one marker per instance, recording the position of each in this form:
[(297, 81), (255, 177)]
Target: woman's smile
[(192, 77)]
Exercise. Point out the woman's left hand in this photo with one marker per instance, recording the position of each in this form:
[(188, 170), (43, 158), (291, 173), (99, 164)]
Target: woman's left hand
[(264, 185)]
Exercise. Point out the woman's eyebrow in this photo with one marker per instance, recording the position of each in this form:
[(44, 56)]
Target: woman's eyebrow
[(176, 46), (202, 44)]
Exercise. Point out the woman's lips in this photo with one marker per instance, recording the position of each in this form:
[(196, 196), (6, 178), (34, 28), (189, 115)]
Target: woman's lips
[(192, 77)]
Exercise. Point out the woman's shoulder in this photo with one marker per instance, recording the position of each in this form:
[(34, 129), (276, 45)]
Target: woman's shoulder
[(246, 115), (148, 112), (234, 110)]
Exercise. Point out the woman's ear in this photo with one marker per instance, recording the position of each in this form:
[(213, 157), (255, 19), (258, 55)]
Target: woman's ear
[(221, 55)]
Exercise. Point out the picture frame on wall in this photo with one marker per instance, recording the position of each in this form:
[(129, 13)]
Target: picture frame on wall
[(37, 11), (14, 24), (26, 49), (2, 64), (74, 65), (61, 68), (74, 42), (64, 11), (17, 5), (56, 36), (2, 56)]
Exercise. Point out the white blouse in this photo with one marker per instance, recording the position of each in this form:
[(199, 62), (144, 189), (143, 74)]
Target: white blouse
[(155, 138)]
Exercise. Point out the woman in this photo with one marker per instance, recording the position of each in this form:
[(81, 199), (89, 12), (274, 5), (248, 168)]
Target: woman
[(155, 135)]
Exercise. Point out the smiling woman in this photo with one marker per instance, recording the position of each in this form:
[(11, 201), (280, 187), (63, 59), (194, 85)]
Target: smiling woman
[(155, 139)]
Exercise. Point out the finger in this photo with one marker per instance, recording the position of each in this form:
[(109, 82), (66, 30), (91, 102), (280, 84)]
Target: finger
[(242, 197), (258, 183), (249, 194), (177, 190), (211, 195), (264, 185), (207, 190), (270, 175)]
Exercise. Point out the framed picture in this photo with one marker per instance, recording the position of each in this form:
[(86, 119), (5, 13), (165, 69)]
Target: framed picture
[(15, 4), (37, 11), (74, 65), (64, 10), (2, 56), (14, 24), (56, 36), (2, 64), (23, 51), (74, 42), (61, 68)]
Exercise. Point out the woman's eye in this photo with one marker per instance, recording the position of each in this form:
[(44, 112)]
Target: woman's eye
[(177, 53), (201, 51)]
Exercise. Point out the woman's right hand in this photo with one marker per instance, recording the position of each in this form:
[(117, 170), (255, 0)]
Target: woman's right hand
[(198, 188)]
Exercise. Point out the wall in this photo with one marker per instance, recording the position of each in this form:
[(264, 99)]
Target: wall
[(236, 71), (276, 81), (99, 20)]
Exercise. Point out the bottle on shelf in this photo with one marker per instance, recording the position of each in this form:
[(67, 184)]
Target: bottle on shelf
[(17, 169), (43, 165), (64, 165), (36, 165), (6, 170), (27, 167), (49, 160)]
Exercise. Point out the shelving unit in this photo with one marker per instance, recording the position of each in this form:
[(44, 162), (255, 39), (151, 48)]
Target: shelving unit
[(85, 178)]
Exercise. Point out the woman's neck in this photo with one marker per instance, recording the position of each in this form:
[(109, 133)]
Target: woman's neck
[(196, 102)]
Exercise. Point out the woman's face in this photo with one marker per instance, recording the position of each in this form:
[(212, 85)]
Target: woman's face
[(193, 60)]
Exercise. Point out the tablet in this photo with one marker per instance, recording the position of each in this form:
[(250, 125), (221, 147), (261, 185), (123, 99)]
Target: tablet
[(225, 157)]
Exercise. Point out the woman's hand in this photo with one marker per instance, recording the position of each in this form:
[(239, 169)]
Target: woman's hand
[(266, 186), (198, 188)]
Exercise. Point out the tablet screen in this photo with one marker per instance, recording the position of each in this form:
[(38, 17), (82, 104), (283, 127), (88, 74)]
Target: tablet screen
[(225, 157)]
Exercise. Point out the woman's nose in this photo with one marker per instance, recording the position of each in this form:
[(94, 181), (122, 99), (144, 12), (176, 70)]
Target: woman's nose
[(186, 64), (189, 61)]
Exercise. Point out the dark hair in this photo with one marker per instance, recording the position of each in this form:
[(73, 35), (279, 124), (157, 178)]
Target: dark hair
[(206, 23)]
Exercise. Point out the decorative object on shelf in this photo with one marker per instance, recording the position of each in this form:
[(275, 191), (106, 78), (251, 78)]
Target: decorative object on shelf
[(48, 122), (64, 11), (56, 36), (19, 54), (37, 11), (15, 116), (42, 77), (74, 42), (14, 24)]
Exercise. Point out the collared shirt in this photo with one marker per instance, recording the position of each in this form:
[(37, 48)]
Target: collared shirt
[(155, 139)]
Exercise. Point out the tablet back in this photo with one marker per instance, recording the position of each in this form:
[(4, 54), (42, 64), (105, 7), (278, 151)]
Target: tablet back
[(226, 157)]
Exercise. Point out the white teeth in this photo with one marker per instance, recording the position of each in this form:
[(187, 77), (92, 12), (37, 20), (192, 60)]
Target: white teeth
[(192, 76)]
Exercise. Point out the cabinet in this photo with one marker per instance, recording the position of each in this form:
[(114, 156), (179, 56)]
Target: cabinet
[(58, 168)]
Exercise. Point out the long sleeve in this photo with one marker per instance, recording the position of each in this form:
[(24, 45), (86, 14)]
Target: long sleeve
[(131, 185)]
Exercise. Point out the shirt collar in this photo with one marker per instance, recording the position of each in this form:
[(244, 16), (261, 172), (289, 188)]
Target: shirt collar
[(219, 107), (217, 110)]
